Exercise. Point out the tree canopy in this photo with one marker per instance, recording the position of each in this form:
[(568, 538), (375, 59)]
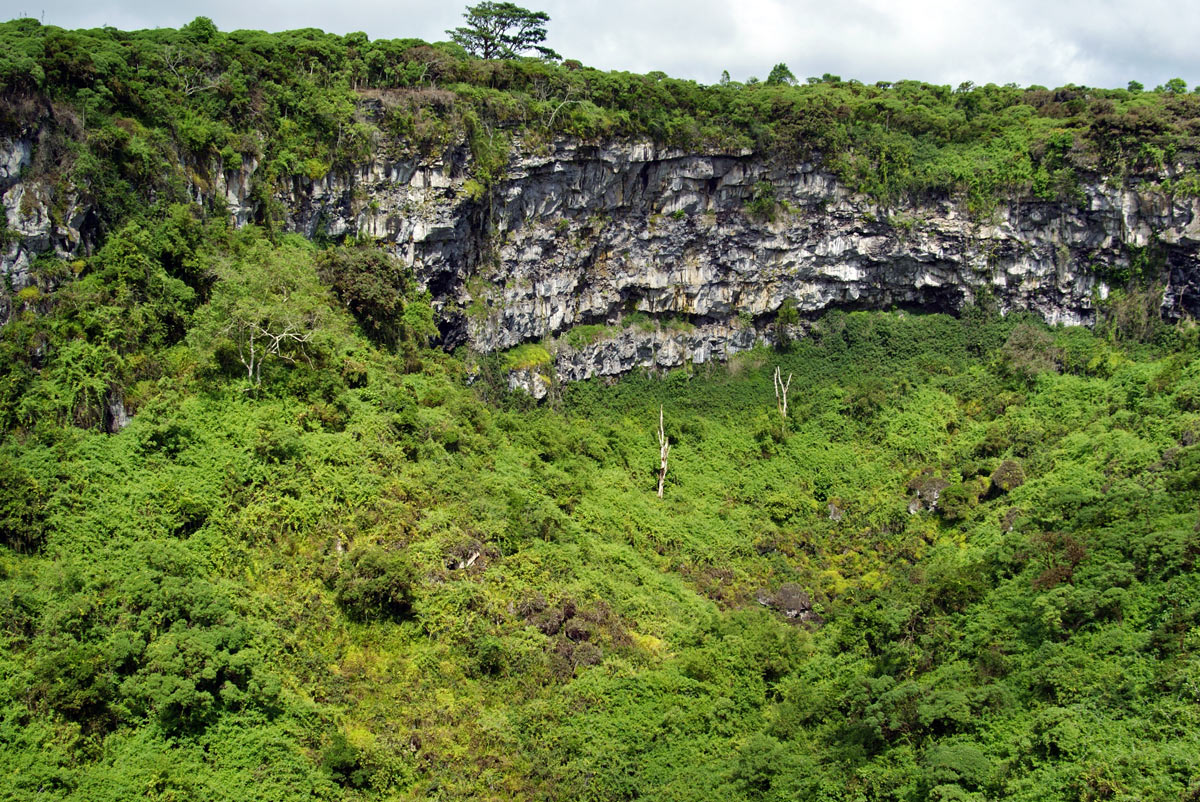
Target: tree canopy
[(780, 74), (296, 104), (502, 30)]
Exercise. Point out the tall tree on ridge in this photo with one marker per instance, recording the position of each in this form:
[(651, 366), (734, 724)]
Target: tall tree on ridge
[(502, 30)]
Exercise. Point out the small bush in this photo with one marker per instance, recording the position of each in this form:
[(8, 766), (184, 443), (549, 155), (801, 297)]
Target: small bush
[(526, 357), (1008, 476), (22, 525), (958, 500), (1029, 351), (583, 336), (344, 763), (375, 584), (378, 291), (763, 204)]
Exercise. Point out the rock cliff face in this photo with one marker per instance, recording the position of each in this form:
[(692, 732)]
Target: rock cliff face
[(657, 255), (35, 220)]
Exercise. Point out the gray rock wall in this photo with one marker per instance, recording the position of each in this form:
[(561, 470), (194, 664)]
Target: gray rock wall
[(619, 234), (36, 221)]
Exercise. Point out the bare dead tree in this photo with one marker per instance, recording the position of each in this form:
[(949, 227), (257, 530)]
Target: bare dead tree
[(192, 79), (781, 395), (256, 343), (664, 446), (566, 101)]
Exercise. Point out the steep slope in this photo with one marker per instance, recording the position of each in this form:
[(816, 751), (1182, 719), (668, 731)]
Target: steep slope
[(582, 235)]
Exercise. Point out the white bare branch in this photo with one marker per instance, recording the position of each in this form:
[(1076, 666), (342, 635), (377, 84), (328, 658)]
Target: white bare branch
[(781, 395), (664, 446)]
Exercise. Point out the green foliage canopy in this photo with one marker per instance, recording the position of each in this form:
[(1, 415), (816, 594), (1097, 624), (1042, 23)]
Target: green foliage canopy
[(502, 30)]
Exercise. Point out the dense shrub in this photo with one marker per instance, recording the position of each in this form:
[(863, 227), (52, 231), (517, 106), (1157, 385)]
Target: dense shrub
[(380, 294), (1007, 476), (375, 583), (22, 507)]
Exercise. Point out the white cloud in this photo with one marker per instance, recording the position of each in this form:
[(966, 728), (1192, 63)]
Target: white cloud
[(1094, 42)]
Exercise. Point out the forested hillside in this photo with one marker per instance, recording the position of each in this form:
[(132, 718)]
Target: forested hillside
[(140, 114), (262, 538)]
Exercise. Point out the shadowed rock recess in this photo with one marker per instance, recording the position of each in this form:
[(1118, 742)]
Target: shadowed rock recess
[(626, 255)]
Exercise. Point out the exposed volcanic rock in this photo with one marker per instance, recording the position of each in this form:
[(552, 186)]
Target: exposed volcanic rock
[(659, 254)]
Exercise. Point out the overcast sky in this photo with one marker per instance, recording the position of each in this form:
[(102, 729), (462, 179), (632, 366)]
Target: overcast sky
[(1051, 42)]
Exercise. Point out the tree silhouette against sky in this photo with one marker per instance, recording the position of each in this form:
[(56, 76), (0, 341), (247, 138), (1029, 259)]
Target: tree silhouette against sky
[(502, 30)]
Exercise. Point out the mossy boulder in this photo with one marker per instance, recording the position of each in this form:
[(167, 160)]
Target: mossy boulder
[(1008, 476)]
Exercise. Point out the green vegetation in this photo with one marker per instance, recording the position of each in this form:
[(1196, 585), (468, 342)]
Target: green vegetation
[(324, 560), (585, 335), (527, 357), (146, 114), (763, 203), (503, 30), (964, 569)]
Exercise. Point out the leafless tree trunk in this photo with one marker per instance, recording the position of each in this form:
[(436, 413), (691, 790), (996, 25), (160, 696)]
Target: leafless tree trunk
[(565, 102), (191, 78), (256, 343), (664, 445), (781, 395)]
